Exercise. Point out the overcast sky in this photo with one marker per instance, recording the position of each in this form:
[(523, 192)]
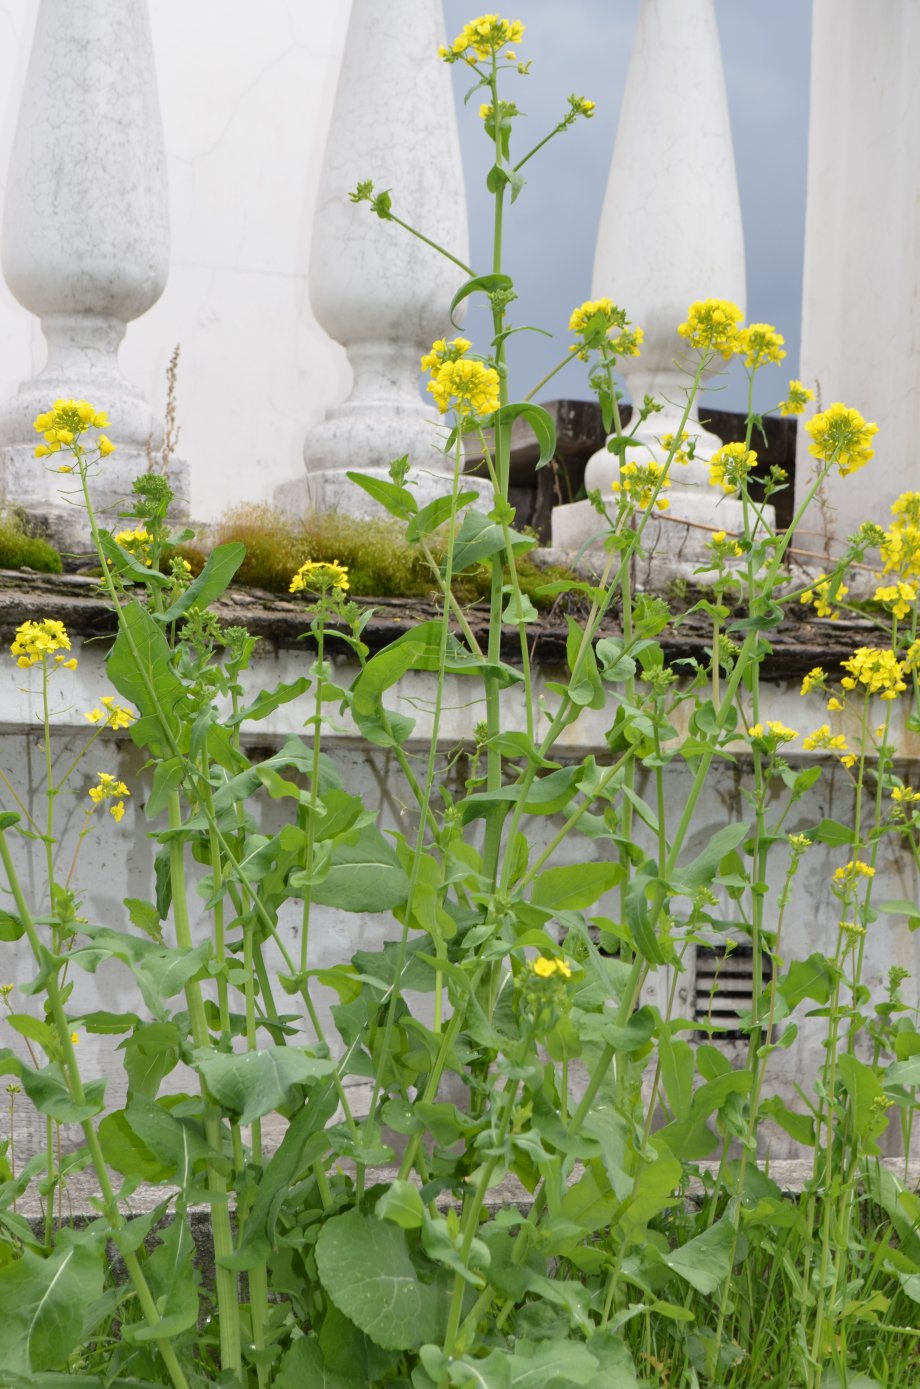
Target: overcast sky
[(583, 46)]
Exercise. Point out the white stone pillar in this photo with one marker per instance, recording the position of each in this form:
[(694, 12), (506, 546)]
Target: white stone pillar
[(861, 292), (374, 288), (85, 238), (670, 233)]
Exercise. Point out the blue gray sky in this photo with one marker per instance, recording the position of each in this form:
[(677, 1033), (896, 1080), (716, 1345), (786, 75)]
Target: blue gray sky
[(583, 46)]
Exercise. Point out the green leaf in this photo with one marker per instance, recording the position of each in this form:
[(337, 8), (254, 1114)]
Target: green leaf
[(832, 832), (267, 701), (145, 917), (364, 875), (364, 1267), (151, 1052), (638, 917), (553, 1364), (45, 1302), (127, 565), (401, 1204), (575, 886), (540, 421), (303, 1364), (435, 514), (168, 776), (398, 501), (11, 928), (547, 795), (177, 1142), (479, 538), (148, 680), (49, 1092), (701, 871), (705, 1261), (34, 1029), (481, 284), (253, 1083), (174, 1282), (127, 1153), (901, 907), (220, 567)]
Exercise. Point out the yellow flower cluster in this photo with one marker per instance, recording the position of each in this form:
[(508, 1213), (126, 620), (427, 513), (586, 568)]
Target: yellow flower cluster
[(798, 397), (486, 35), (760, 343), (900, 546), (111, 715), (442, 351), (730, 465), (853, 871), (685, 446), (774, 730), (712, 326), (840, 435), (877, 669), (109, 789), (723, 547), (35, 641), (639, 482), (904, 795), (545, 968), (898, 598), (62, 425), (319, 576), (600, 322), (822, 740), (136, 542), (906, 509), (819, 596), (816, 679), (466, 386)]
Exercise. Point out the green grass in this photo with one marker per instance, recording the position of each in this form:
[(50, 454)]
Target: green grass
[(20, 550)]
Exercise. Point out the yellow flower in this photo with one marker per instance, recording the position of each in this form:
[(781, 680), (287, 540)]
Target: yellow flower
[(774, 732), (136, 542), (75, 1038), (840, 435), (906, 509), (904, 795), (105, 446), (466, 386), (819, 595), (683, 449), (814, 680), (877, 669), (834, 706), (66, 422), (485, 36), (638, 483), (442, 352), (729, 466), (112, 715), (109, 789), (898, 598), (761, 343), (853, 871), (600, 323), (34, 641), (723, 547), (117, 811), (581, 106), (712, 326), (544, 968), (319, 576), (900, 549), (755, 730), (797, 399), (822, 740)]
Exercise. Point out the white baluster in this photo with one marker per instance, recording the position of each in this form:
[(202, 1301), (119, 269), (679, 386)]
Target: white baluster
[(377, 290), (85, 237), (670, 233), (861, 291)]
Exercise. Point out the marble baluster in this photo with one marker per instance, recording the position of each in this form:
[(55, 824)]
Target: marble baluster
[(375, 289), (670, 233), (85, 242)]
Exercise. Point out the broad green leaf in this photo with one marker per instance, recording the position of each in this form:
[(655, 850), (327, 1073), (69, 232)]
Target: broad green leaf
[(127, 565), (401, 1204), (812, 978), (479, 538), (701, 870), (34, 1029), (11, 928), (178, 1142), (364, 1267), (127, 1153), (140, 667), (45, 1302), (480, 284), (902, 907), (547, 795), (151, 1052), (220, 567), (436, 513), (705, 1261), (678, 1063), (540, 421), (50, 1093), (364, 875), (801, 1127), (174, 1281), (865, 1091), (303, 1365), (398, 501), (168, 776), (832, 832), (553, 1365), (575, 886), (253, 1083), (267, 701)]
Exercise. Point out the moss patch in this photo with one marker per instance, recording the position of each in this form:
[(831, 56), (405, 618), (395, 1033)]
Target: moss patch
[(20, 550), (379, 562)]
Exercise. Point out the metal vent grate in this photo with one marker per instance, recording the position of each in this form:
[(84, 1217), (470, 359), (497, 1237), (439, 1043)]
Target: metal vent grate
[(724, 987)]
